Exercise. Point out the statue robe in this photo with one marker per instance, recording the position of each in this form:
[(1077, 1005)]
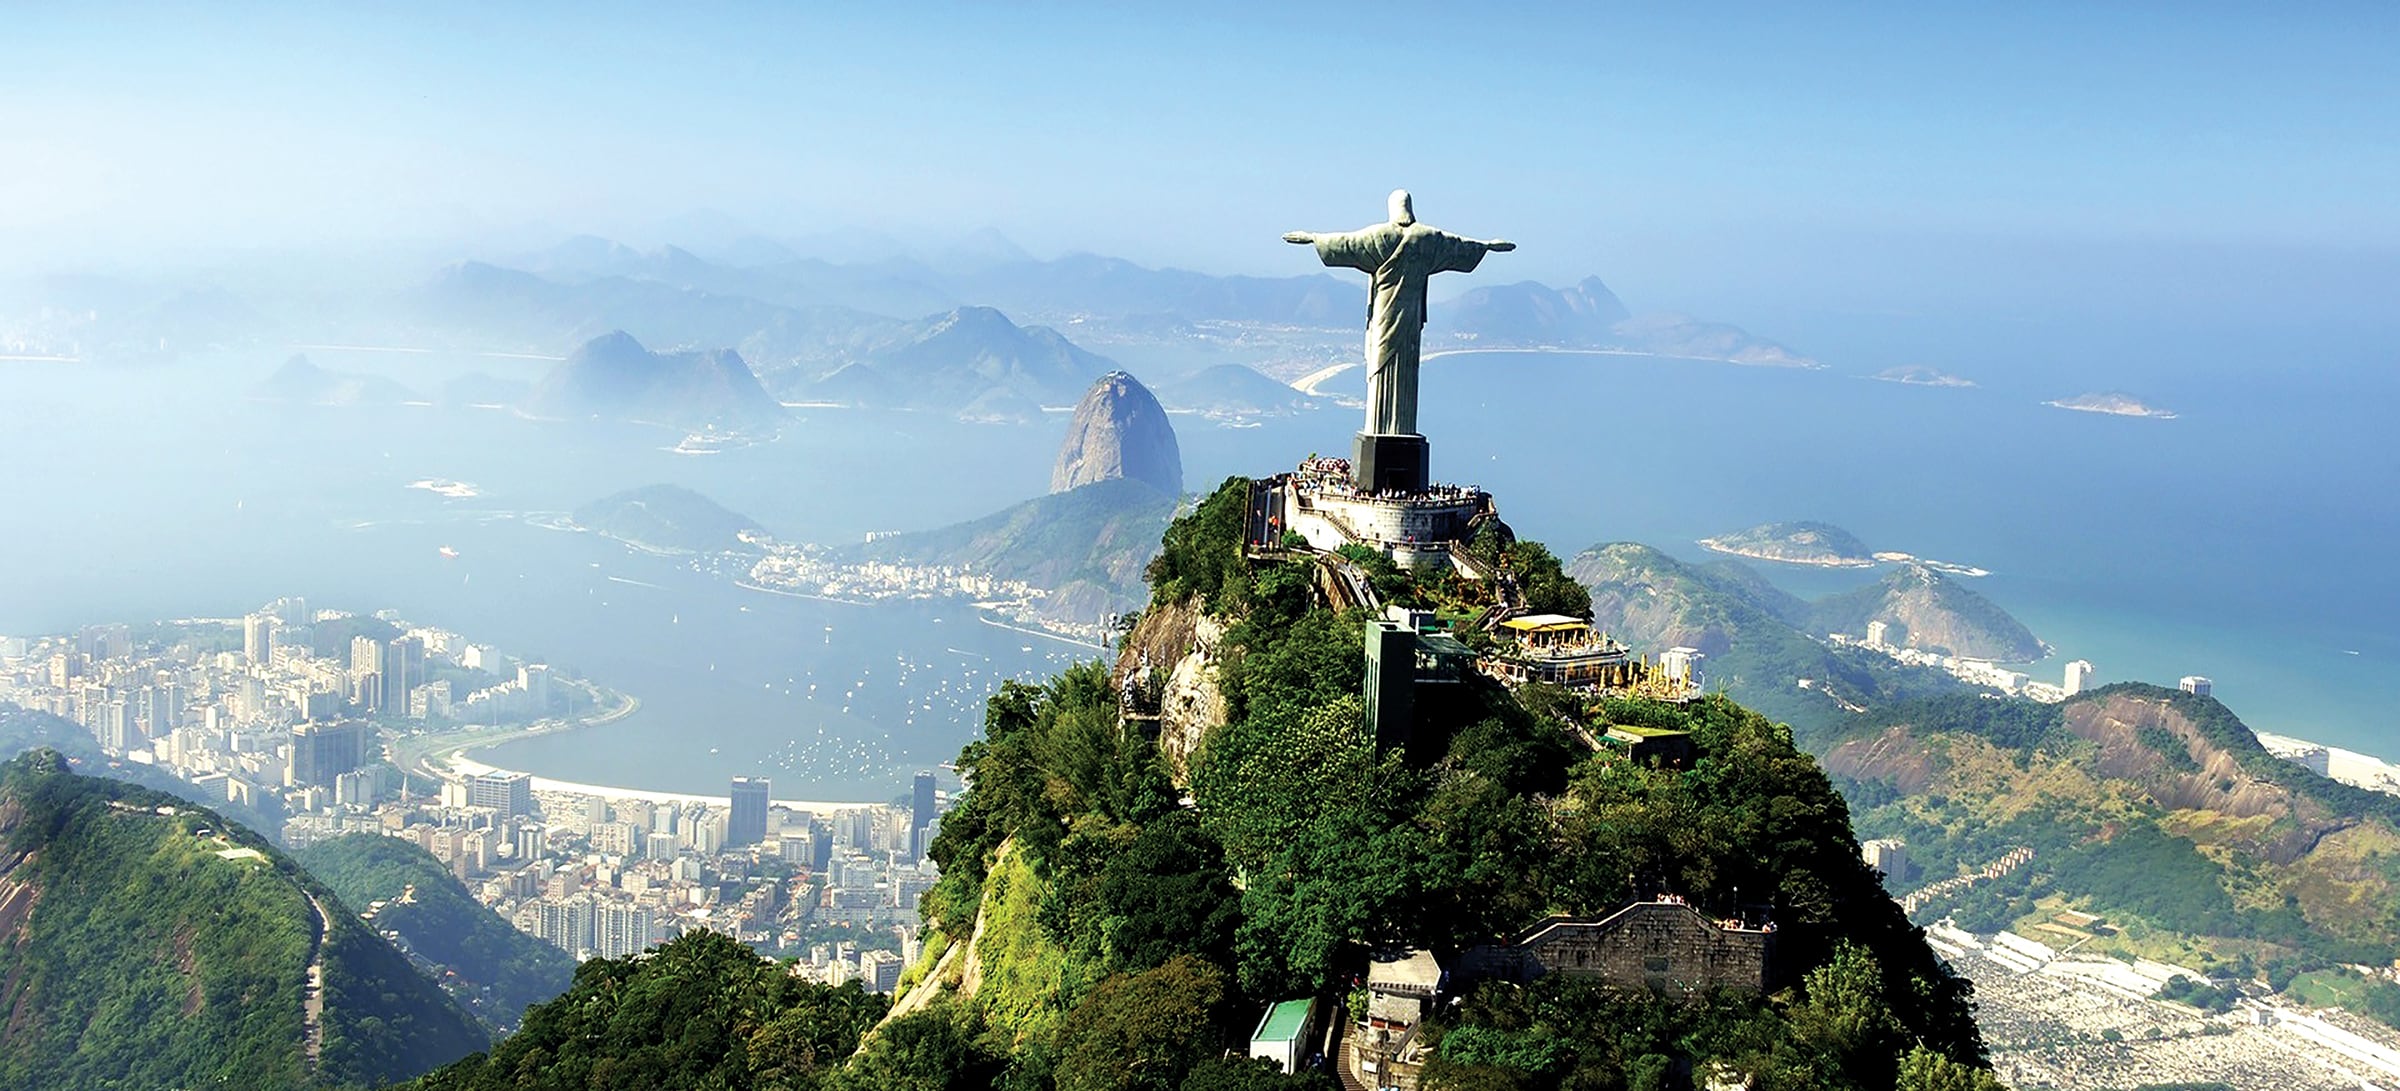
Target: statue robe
[(1400, 259)]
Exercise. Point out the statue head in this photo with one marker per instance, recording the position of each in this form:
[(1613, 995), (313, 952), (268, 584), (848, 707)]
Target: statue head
[(1402, 213)]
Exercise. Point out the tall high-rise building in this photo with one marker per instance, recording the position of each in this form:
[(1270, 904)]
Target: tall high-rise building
[(366, 672), (620, 930), (508, 793), (747, 821), (402, 668), (258, 638), (1888, 856), (2193, 683), (1878, 634), (566, 923), (115, 730), (2079, 676), (323, 751), (534, 679), (920, 813)]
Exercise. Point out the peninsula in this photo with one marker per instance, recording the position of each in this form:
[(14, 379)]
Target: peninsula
[(1820, 544)]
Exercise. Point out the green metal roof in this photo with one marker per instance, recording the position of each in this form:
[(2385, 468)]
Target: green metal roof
[(1283, 1023)]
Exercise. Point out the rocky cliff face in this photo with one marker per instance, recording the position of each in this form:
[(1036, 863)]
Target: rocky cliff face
[(1119, 431), (1184, 642)]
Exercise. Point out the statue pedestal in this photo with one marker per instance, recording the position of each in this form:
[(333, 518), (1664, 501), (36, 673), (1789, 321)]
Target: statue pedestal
[(1383, 463)]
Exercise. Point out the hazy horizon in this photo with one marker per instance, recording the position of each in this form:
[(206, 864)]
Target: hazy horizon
[(1859, 161)]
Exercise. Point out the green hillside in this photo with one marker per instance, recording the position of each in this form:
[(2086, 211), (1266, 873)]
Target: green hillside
[(1094, 930), (1087, 546), (491, 967), (1756, 636), (142, 947), (23, 729), (2156, 810), (1934, 612), (700, 1012)]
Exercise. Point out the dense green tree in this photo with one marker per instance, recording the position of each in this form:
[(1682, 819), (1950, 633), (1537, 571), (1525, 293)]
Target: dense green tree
[(1924, 1070), (1252, 1074), (701, 1011), (1142, 1031), (929, 1050)]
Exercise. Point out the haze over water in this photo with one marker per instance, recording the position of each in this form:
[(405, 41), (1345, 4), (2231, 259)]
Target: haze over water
[(2231, 542)]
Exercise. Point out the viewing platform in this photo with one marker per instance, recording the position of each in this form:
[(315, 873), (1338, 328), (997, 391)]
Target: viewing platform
[(1417, 529)]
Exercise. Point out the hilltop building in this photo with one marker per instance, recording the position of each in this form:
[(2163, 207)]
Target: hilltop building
[(2079, 677), (1419, 528), (1561, 651), (1879, 634), (2195, 684), (1665, 946), (1400, 659), (1287, 1033)]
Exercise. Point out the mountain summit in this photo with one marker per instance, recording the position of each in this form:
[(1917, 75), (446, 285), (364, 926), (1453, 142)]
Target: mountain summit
[(612, 375), (1119, 431)]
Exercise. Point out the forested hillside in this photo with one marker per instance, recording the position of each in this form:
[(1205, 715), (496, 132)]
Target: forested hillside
[(2156, 811), (495, 970), (148, 943), (1103, 930)]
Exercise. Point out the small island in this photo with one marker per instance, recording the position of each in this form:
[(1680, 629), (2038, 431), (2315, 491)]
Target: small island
[(1921, 375), (1820, 544), (2115, 404), (669, 519)]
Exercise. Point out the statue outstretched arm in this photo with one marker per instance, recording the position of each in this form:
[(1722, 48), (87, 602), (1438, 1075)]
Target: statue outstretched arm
[(1302, 237), (1499, 246)]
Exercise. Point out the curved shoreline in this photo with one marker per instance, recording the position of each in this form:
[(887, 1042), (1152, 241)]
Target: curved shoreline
[(466, 766), (1715, 546), (454, 762)]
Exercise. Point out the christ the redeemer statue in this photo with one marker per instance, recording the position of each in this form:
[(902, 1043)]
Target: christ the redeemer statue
[(1399, 256)]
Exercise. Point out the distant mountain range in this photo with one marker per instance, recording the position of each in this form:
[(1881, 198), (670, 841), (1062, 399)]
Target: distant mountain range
[(1233, 390), (1586, 313), (947, 361), (612, 376), (900, 333)]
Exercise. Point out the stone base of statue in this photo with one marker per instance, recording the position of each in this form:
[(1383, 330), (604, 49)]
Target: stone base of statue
[(1382, 463)]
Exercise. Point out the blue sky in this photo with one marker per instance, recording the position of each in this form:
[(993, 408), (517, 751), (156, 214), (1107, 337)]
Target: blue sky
[(1749, 151)]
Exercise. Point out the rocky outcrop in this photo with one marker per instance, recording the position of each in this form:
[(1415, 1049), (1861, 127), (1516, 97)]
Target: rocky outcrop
[(2148, 742), (1119, 430), (1183, 642)]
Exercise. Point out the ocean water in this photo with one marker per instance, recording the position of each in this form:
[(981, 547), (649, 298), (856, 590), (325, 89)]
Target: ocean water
[(2246, 541)]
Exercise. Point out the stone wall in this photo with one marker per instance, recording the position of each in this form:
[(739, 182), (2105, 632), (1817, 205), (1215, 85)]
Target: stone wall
[(1666, 948)]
